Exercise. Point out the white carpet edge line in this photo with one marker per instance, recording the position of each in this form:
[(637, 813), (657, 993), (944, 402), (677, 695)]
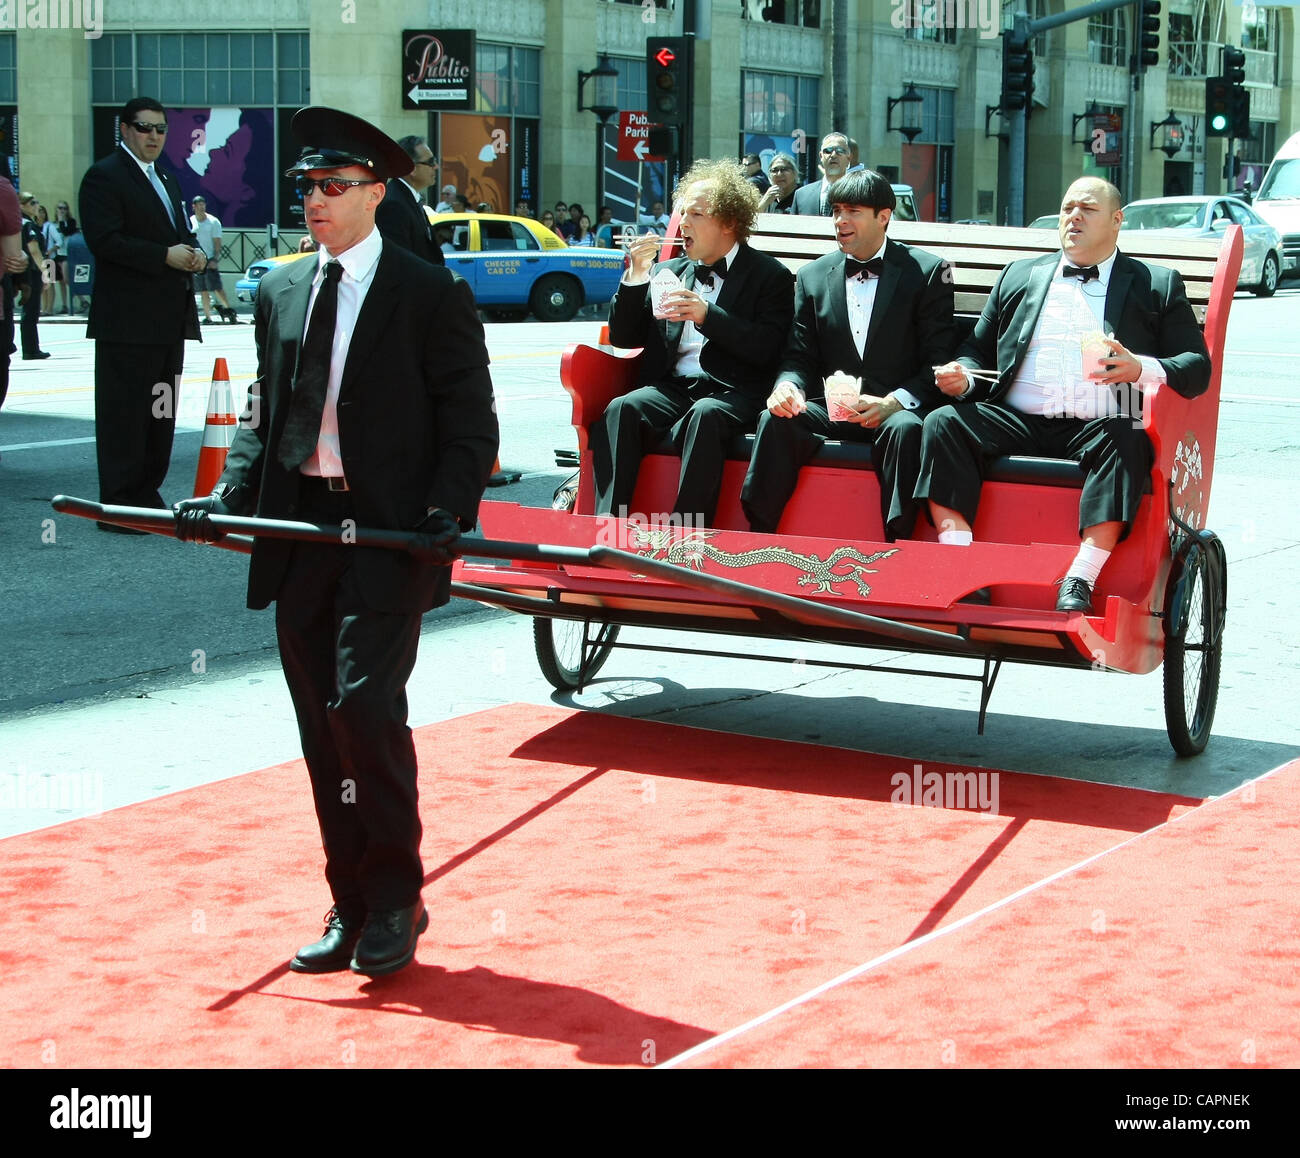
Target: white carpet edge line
[(858, 970)]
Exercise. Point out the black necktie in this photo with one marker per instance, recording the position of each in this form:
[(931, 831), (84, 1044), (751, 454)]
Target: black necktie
[(1085, 273), (302, 430), (855, 268), (704, 273)]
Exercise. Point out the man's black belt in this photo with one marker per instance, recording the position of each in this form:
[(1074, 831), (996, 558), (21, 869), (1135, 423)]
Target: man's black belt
[(327, 482)]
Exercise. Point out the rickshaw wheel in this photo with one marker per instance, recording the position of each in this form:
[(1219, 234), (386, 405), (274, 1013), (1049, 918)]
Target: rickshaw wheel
[(559, 645), (1194, 645)]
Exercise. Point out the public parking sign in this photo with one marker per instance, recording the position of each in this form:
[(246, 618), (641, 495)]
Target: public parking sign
[(633, 130)]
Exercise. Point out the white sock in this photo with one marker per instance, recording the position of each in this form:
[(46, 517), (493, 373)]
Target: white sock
[(1087, 564), (957, 538)]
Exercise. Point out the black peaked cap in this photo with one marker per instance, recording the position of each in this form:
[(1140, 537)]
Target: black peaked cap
[(332, 139)]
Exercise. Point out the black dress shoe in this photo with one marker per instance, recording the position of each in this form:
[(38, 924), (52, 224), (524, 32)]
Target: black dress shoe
[(333, 952), (1075, 595), (388, 941), (36, 357)]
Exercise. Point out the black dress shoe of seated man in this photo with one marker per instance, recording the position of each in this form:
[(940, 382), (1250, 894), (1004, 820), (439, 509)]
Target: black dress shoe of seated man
[(333, 952), (1075, 595), (388, 940)]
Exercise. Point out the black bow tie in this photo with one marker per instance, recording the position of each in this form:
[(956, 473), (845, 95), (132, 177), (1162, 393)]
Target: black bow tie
[(704, 273), (855, 268), (1085, 273)]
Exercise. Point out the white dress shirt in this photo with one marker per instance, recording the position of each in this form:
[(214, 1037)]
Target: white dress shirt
[(358, 264), (860, 295), (150, 171), (692, 341), (1052, 380)]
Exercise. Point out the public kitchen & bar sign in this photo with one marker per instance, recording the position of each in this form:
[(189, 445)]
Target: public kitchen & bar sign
[(438, 69)]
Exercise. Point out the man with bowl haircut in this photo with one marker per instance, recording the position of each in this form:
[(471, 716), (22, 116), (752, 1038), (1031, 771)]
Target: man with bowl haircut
[(1044, 401), (709, 352), (874, 309), (372, 407)]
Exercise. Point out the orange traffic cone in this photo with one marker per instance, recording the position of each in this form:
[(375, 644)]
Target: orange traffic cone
[(218, 431), (502, 478)]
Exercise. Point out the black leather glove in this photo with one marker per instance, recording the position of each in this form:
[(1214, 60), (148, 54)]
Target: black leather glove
[(437, 538), (192, 525)]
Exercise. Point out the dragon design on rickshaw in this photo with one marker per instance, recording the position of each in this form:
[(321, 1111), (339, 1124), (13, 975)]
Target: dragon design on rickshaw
[(692, 548)]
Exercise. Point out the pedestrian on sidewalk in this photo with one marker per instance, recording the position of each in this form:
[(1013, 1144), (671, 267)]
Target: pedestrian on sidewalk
[(29, 291), (207, 229)]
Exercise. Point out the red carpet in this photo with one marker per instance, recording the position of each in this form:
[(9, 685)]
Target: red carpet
[(602, 891), (1176, 951)]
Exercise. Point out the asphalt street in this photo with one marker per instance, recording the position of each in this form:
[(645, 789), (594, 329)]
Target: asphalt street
[(130, 668)]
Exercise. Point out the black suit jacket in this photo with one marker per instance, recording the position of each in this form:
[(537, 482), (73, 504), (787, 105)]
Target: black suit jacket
[(1146, 309), (402, 219), (808, 199), (911, 329), (745, 328), (417, 425), (138, 297)]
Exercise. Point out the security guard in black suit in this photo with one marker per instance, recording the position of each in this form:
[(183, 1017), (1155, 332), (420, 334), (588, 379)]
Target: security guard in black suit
[(400, 216), (372, 404), (142, 309)]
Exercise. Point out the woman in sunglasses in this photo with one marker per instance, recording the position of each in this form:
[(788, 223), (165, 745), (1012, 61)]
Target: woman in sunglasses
[(779, 197)]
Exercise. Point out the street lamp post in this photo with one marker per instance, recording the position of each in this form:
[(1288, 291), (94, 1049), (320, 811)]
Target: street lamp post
[(604, 104)]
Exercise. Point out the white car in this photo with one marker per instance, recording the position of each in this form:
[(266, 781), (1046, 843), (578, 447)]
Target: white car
[(1261, 259)]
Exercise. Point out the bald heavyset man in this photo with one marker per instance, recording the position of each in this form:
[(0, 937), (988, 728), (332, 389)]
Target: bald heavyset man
[(1047, 399)]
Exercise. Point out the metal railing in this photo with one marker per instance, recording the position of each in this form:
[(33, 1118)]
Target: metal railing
[(1196, 58), (241, 247)]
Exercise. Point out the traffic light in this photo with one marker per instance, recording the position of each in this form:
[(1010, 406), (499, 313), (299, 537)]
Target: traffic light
[(1234, 72), (668, 83), (1148, 53), (1234, 65), (1218, 107), (1017, 73), (1241, 113)]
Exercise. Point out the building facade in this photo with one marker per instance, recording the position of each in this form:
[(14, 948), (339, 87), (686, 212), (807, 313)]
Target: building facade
[(768, 75)]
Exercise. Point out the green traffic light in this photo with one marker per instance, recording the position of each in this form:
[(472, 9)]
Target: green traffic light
[(1218, 122)]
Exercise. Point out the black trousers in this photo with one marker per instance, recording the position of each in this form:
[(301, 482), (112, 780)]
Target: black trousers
[(347, 667), (134, 422), (784, 445), (31, 341), (958, 443), (702, 424)]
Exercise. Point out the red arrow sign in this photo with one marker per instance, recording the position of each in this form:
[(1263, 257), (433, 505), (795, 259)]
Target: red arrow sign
[(633, 127), (665, 57)]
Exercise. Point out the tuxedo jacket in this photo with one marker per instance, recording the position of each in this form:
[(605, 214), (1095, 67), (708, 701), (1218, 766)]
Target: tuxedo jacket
[(402, 219), (910, 331), (744, 331), (417, 424), (138, 297), (1146, 309), (808, 199)]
